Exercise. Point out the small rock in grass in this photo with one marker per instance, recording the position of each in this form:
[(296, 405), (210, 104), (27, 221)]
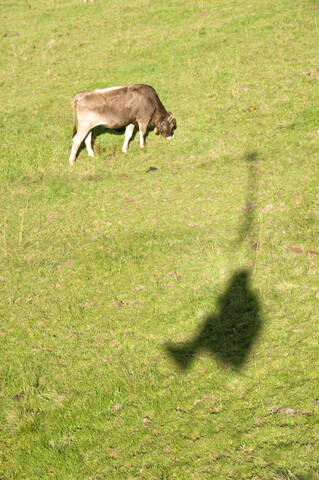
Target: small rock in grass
[(218, 455), (18, 396), (305, 412), (275, 409), (287, 411), (65, 264), (295, 249), (179, 409), (119, 304), (139, 287), (147, 421), (114, 454)]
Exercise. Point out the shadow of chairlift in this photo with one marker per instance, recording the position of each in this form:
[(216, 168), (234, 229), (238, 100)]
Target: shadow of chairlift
[(229, 333)]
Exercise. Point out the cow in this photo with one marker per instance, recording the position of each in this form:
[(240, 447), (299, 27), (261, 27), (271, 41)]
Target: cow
[(118, 107)]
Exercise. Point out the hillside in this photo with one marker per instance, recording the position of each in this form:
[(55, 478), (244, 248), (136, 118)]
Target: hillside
[(161, 323)]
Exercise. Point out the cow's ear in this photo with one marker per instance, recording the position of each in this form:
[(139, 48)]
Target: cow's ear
[(170, 117)]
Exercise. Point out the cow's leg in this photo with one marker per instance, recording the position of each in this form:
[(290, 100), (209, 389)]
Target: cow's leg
[(88, 144), (142, 127), (76, 142), (128, 134)]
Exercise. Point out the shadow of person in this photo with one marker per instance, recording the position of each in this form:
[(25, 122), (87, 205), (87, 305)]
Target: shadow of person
[(229, 334)]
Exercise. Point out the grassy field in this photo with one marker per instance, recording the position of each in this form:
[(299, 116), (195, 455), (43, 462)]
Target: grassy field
[(161, 323)]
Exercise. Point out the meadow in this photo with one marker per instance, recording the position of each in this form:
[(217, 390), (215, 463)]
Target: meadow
[(159, 309)]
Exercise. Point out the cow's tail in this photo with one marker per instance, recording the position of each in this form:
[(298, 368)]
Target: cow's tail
[(74, 102)]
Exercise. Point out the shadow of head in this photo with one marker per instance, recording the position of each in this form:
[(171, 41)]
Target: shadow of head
[(229, 333)]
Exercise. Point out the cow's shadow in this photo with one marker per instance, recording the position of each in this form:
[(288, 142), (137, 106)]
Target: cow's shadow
[(100, 130), (229, 333)]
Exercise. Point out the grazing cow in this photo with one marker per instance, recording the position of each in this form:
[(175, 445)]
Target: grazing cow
[(117, 107)]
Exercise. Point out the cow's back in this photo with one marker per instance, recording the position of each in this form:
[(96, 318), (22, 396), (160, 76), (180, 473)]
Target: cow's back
[(116, 107)]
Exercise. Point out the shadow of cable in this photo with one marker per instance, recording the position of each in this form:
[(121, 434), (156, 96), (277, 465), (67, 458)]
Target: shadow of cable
[(246, 225), (229, 334)]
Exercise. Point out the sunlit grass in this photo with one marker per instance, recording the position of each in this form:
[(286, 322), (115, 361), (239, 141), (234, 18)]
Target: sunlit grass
[(161, 323)]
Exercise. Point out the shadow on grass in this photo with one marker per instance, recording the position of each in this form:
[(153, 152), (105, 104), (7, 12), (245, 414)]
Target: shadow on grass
[(228, 334), (100, 130), (251, 159)]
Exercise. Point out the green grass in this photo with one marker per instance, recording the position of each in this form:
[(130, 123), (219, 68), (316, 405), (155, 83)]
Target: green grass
[(158, 325)]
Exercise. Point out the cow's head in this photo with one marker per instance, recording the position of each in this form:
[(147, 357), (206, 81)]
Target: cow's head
[(168, 126)]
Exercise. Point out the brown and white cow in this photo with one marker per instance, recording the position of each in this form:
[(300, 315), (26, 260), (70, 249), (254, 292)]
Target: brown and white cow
[(117, 107)]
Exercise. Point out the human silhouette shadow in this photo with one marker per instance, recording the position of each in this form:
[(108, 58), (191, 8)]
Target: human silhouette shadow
[(228, 334)]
